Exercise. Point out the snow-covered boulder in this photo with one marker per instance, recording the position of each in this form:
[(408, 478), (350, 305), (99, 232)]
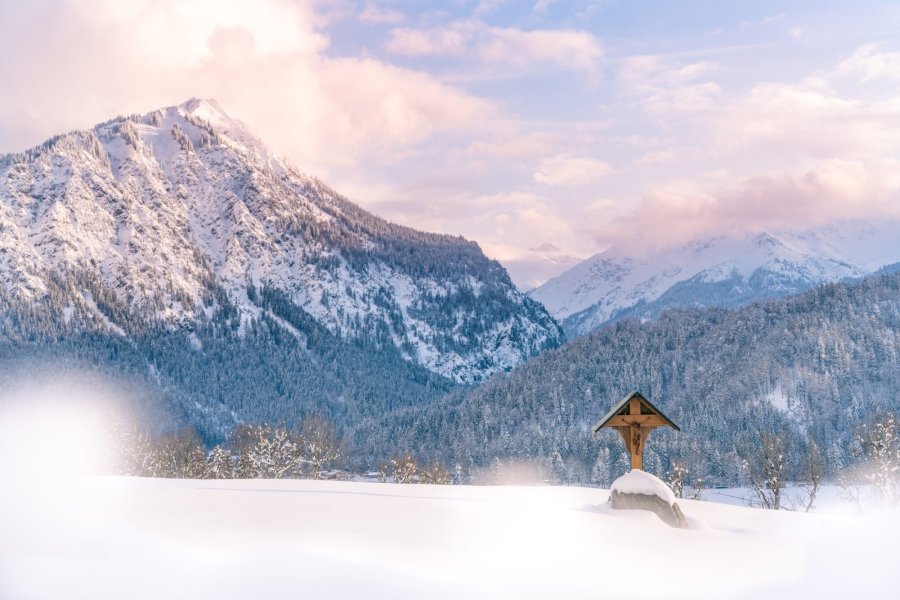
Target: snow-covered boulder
[(637, 490)]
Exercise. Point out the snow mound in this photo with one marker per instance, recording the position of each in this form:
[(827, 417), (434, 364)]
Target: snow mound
[(639, 482)]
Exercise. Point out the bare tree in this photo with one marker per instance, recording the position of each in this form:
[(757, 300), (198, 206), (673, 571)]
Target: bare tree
[(434, 473), (698, 488), (765, 468), (134, 449), (402, 469), (676, 477), (319, 446), (179, 455), (813, 471), (879, 445)]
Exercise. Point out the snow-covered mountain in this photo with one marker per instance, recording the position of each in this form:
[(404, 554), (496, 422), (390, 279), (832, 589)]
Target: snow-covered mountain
[(724, 271), (168, 211)]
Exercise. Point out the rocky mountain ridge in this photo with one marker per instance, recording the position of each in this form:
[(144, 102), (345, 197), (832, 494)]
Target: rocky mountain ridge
[(170, 210)]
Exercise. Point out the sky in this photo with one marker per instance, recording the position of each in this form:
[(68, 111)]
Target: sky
[(547, 131)]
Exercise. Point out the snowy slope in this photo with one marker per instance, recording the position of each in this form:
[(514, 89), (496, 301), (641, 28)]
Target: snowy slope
[(148, 539), (722, 271), (165, 210)]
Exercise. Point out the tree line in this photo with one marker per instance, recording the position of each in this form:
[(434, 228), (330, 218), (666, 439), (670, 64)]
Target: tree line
[(251, 452)]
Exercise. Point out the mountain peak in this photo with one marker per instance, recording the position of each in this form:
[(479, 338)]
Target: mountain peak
[(207, 109)]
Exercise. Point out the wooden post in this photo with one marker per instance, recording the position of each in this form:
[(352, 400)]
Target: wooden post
[(634, 417)]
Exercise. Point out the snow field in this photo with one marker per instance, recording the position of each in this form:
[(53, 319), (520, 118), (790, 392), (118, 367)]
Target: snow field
[(114, 537)]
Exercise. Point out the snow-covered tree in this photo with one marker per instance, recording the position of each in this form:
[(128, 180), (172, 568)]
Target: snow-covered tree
[(219, 464), (879, 444), (675, 477), (400, 469), (318, 445), (267, 452), (600, 471), (133, 449), (435, 474), (458, 477), (179, 455), (765, 470)]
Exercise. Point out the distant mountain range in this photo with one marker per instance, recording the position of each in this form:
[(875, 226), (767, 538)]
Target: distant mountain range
[(722, 271)]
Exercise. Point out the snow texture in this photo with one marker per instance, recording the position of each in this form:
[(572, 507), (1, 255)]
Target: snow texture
[(640, 482), (113, 538)]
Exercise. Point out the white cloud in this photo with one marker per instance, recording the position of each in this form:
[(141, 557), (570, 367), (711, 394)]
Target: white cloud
[(869, 63), (452, 40), (487, 6), (764, 21), (564, 49), (563, 169), (380, 15), (662, 87), (809, 119)]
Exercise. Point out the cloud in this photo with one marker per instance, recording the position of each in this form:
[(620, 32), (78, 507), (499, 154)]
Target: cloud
[(452, 40), (542, 5), (869, 63), (809, 119), (487, 6), (380, 15), (834, 190), (663, 87), (565, 49), (265, 61), (768, 20), (563, 169), (534, 266), (502, 145), (825, 115)]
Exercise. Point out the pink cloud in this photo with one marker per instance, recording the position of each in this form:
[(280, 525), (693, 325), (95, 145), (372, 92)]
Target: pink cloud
[(265, 61), (564, 49), (832, 191)]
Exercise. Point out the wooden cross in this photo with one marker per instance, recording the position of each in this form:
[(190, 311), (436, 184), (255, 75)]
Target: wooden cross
[(634, 417)]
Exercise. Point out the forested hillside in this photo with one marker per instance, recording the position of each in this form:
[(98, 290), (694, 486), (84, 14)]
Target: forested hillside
[(813, 366), (277, 368)]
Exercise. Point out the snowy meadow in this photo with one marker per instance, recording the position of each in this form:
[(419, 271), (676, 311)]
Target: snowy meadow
[(70, 533), (151, 538)]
